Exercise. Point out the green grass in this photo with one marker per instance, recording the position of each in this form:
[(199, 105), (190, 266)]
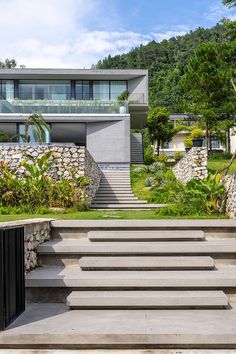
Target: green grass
[(105, 215), (218, 165), (138, 187)]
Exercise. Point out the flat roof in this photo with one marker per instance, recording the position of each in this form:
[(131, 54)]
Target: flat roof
[(50, 73)]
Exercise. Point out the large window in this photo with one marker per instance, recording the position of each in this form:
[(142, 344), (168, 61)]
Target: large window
[(8, 90), (44, 90), (82, 90), (101, 90), (117, 88)]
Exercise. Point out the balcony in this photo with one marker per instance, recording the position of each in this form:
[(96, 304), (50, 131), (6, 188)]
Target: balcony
[(63, 107)]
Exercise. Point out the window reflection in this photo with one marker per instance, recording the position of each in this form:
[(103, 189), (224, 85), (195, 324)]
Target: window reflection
[(44, 90)]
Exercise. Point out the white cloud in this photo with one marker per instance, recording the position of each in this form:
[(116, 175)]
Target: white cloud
[(218, 11), (54, 33)]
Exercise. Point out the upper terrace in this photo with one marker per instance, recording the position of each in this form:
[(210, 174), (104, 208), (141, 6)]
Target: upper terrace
[(52, 91)]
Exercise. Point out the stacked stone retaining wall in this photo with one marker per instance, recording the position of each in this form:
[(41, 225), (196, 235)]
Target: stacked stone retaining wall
[(192, 165), (64, 159)]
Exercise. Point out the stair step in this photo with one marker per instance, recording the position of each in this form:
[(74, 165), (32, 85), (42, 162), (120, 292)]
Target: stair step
[(127, 206), (147, 299), (73, 277), (116, 201), (145, 263), (85, 247), (161, 235)]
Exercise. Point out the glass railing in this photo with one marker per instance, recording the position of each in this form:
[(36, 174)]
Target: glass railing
[(61, 107)]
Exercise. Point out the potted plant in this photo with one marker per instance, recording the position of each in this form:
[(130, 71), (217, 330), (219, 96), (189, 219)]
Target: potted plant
[(188, 143), (123, 97), (178, 155), (197, 136)]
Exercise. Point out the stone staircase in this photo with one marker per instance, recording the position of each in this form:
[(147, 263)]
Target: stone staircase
[(136, 149), (132, 284), (115, 192)]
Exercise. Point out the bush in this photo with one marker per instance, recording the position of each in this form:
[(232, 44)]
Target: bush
[(163, 158), (178, 210), (178, 155), (197, 133), (188, 142), (219, 155), (149, 155)]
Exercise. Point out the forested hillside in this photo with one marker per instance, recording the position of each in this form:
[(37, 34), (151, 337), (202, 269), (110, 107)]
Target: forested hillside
[(166, 62)]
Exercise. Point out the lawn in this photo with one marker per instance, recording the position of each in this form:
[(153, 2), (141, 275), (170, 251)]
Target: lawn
[(218, 165), (104, 215)]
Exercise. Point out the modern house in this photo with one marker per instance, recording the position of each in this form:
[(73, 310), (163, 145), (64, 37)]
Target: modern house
[(81, 106)]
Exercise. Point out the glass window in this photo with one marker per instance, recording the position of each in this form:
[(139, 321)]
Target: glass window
[(8, 89), (117, 88), (101, 90), (33, 134), (44, 90), (82, 90)]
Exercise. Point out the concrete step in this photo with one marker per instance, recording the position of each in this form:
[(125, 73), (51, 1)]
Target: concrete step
[(145, 263), (120, 202), (73, 277), (146, 299), (85, 247), (118, 194), (145, 236), (126, 206), (115, 197)]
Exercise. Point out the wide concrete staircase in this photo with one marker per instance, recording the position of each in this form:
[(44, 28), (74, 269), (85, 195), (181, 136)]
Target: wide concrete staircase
[(133, 284), (115, 192), (136, 149)]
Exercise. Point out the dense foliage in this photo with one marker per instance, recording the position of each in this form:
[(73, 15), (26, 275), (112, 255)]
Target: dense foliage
[(37, 189), (166, 62)]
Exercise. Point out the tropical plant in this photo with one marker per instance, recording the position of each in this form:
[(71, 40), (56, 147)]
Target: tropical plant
[(163, 158), (210, 192), (40, 127), (123, 96), (197, 133), (149, 182)]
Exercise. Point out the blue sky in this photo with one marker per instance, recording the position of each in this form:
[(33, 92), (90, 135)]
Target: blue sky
[(77, 33)]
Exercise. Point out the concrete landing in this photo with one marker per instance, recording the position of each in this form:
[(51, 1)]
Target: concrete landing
[(52, 325)]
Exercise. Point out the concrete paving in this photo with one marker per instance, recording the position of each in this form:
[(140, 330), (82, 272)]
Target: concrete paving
[(53, 325)]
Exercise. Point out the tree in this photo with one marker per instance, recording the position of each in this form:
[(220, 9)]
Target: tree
[(40, 127), (8, 64), (160, 127), (229, 3), (207, 82)]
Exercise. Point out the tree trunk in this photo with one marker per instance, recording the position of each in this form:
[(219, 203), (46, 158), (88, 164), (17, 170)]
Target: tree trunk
[(158, 148), (228, 147)]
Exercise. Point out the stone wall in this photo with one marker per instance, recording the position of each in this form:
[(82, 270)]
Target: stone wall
[(64, 157), (36, 231), (230, 184), (192, 165)]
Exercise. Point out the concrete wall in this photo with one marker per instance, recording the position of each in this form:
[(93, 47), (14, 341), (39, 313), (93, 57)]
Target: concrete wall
[(137, 87), (109, 142)]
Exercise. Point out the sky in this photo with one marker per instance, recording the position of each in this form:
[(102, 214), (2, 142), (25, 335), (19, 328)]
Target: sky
[(77, 33)]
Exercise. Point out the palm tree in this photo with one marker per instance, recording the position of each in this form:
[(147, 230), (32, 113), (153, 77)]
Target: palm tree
[(40, 127)]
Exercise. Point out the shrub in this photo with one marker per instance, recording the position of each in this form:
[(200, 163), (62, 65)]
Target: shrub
[(149, 182), (197, 133), (215, 155), (163, 158), (178, 155), (188, 142), (149, 155), (178, 210)]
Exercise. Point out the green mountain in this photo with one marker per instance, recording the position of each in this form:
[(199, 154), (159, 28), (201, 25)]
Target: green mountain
[(166, 62)]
